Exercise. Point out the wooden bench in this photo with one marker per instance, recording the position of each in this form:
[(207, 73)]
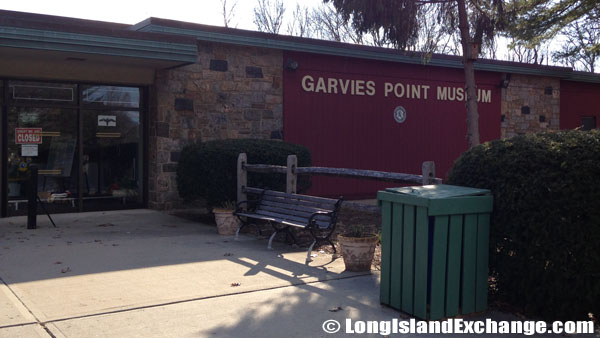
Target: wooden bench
[(318, 215)]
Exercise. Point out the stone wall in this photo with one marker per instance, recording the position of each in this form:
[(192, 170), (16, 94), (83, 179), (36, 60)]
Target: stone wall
[(231, 92), (530, 104)]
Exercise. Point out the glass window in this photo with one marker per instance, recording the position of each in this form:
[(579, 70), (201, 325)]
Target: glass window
[(42, 130), (55, 155), (41, 93), (111, 96)]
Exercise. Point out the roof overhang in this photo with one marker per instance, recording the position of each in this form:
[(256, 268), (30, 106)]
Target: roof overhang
[(161, 53), (290, 43)]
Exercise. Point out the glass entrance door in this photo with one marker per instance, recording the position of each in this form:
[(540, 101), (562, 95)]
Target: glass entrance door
[(112, 147)]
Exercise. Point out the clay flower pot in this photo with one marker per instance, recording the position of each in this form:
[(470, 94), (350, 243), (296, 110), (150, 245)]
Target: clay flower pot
[(358, 251), (227, 222)]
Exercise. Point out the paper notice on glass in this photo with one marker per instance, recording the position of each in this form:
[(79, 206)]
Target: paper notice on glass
[(107, 120), (29, 150)]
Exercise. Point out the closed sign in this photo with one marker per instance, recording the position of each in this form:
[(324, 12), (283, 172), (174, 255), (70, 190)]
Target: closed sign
[(28, 135)]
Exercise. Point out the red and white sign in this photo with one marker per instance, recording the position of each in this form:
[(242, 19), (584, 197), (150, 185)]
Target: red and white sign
[(28, 135)]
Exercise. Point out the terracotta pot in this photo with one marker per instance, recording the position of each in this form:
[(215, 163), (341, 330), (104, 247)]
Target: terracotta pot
[(358, 252), (227, 222)]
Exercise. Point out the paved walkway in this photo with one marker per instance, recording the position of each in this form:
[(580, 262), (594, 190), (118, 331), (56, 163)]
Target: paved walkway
[(142, 273), (145, 273)]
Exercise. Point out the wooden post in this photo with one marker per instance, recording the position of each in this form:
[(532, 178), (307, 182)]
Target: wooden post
[(428, 169), (242, 177), (290, 174)]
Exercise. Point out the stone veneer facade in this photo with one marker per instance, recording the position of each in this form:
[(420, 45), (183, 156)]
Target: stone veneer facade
[(236, 92), (530, 104), (231, 92)]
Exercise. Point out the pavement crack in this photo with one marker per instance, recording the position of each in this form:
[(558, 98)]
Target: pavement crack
[(197, 299), (20, 300), (47, 330), (37, 320)]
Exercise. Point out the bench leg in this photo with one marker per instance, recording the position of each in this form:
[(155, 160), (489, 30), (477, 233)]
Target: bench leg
[(271, 240), (237, 233), (309, 254), (288, 232), (332, 245)]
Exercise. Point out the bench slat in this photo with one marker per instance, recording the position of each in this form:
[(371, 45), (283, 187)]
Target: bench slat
[(323, 205), (285, 211), (298, 219), (294, 219), (273, 219), (285, 205), (301, 197), (293, 213), (321, 220), (322, 225)]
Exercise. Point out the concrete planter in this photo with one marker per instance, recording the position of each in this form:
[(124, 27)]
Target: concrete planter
[(227, 222), (358, 251)]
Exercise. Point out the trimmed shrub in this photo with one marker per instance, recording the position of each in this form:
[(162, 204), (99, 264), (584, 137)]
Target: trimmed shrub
[(545, 227), (209, 170)]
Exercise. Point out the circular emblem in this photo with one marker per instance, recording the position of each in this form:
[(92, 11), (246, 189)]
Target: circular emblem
[(400, 114)]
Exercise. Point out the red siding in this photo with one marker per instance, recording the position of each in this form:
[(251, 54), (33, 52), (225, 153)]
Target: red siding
[(577, 100), (352, 131)]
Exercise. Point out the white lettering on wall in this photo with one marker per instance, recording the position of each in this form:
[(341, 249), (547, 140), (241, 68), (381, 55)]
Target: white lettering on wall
[(398, 90)]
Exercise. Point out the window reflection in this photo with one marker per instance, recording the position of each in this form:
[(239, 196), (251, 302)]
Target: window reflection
[(111, 96), (41, 92)]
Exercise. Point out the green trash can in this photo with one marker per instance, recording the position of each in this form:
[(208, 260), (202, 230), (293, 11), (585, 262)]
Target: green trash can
[(435, 247)]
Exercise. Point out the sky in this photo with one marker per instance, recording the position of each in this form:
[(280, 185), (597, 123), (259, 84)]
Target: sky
[(207, 12), (131, 12)]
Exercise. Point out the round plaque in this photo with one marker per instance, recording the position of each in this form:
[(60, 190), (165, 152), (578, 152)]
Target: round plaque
[(400, 114)]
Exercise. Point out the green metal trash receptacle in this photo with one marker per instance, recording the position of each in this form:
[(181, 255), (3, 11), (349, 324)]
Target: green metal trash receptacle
[(435, 248)]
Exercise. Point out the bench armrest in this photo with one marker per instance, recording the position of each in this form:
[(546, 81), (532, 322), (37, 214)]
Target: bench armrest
[(249, 204), (312, 220)]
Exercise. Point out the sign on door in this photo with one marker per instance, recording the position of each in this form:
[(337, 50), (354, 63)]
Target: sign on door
[(28, 135)]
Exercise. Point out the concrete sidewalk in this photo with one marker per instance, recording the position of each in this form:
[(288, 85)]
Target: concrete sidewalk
[(98, 271), (142, 273)]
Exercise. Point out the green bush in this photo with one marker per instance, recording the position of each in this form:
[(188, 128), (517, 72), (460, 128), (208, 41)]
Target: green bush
[(545, 235), (209, 170)]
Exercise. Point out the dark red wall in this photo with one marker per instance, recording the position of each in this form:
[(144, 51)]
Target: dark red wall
[(351, 131), (578, 99)]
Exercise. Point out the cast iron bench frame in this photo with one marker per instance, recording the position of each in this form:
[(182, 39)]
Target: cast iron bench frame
[(281, 210)]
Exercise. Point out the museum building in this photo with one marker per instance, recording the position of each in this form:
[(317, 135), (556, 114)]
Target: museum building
[(104, 109)]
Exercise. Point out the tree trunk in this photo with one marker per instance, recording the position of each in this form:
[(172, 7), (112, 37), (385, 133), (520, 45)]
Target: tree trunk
[(468, 62)]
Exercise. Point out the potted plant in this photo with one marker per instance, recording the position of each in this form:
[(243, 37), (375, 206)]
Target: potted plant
[(227, 222), (357, 248)]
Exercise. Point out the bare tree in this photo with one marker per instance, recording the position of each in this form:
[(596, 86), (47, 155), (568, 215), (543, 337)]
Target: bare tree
[(377, 38), (581, 49), (268, 15), (490, 49), (302, 22), (228, 12), (432, 36), (332, 26), (520, 52)]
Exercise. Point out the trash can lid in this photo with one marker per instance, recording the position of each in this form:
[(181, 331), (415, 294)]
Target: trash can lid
[(438, 191)]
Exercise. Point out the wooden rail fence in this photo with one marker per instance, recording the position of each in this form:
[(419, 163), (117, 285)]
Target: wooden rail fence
[(292, 171)]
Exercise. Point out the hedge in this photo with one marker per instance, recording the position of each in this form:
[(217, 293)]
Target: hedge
[(545, 235), (209, 170)]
